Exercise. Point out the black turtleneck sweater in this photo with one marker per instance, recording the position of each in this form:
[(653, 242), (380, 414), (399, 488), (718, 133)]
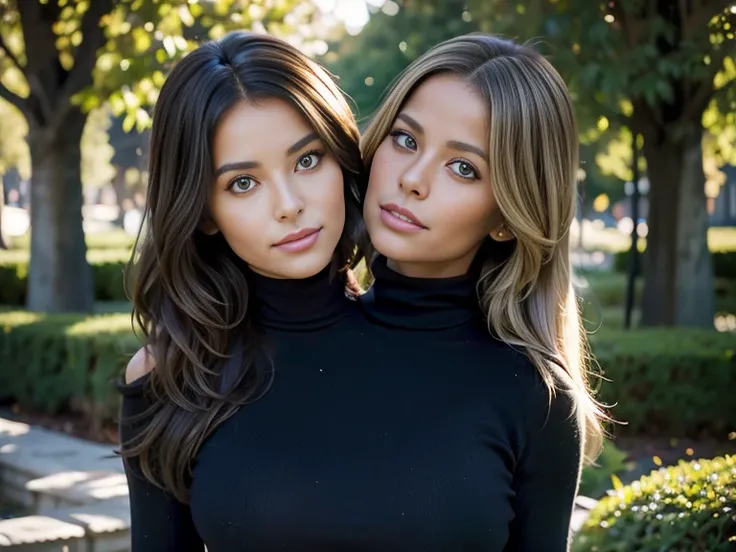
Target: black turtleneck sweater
[(394, 423)]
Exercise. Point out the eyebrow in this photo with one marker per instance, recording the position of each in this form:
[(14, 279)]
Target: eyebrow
[(453, 144), (247, 165), (412, 122), (462, 146)]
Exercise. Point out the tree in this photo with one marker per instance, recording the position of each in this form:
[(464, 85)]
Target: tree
[(653, 67), (84, 53)]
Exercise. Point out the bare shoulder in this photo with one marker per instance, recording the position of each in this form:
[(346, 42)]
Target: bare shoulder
[(139, 366)]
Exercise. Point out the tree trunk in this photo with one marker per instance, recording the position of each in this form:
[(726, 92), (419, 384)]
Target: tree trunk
[(120, 187), (3, 245), (678, 272), (59, 279)]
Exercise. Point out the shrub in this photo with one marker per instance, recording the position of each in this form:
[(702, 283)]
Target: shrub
[(674, 382), (52, 362), (677, 382), (108, 266), (690, 507), (724, 263), (596, 480), (600, 290)]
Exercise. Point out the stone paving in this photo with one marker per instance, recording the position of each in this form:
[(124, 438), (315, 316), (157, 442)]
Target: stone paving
[(76, 489)]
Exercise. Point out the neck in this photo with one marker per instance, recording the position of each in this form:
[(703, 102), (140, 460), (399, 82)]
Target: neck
[(421, 303), (298, 305), (430, 270)]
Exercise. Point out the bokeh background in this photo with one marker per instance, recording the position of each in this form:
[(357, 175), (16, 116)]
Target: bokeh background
[(654, 241)]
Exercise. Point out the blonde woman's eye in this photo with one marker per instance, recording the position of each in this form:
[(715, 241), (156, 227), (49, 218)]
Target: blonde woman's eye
[(403, 140), (464, 170), (242, 184), (308, 161)]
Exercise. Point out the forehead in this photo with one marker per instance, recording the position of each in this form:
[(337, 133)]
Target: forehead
[(250, 131), (448, 104)]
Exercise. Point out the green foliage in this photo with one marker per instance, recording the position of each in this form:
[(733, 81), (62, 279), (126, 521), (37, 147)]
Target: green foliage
[(596, 480), (666, 381), (64, 361), (690, 507), (107, 271), (367, 63), (146, 37)]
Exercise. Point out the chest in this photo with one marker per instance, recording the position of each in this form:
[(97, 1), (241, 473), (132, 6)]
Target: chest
[(360, 456)]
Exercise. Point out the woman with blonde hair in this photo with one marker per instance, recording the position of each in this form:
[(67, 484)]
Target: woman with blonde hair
[(473, 157)]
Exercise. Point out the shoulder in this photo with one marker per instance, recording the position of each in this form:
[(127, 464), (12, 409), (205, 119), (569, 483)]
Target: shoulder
[(139, 366)]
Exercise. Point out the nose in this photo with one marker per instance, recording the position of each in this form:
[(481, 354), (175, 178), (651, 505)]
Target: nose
[(414, 180), (288, 202)]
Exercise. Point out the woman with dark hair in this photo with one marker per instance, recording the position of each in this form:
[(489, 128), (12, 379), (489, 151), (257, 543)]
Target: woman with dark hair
[(252, 221)]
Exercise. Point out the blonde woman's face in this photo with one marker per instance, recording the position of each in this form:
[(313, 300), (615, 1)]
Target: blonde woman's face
[(430, 202)]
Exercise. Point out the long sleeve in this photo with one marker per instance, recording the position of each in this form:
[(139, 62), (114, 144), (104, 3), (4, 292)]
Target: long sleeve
[(159, 522), (547, 476)]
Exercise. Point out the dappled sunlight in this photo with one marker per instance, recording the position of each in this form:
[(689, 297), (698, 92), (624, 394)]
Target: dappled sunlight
[(82, 485), (12, 429)]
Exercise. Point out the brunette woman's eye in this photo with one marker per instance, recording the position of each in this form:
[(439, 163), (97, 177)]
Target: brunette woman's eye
[(242, 184), (403, 139)]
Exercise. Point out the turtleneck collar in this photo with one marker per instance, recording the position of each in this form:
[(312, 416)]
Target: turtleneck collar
[(421, 303), (298, 305)]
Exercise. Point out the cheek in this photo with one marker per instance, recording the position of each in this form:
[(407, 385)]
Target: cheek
[(471, 214), (382, 169), (238, 221)]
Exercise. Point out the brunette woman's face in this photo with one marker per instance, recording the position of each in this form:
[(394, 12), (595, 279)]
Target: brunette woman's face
[(278, 193), (430, 202)]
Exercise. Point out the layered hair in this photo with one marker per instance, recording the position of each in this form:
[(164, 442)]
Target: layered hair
[(190, 293), (525, 289)]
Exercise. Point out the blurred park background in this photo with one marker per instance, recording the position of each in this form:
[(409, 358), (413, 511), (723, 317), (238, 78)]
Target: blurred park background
[(654, 85)]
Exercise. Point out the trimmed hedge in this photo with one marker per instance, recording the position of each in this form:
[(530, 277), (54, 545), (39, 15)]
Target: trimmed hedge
[(690, 507), (675, 382), (724, 263), (670, 382), (608, 289), (54, 362), (108, 267)]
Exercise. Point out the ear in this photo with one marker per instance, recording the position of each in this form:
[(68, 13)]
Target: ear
[(501, 234), (209, 227)]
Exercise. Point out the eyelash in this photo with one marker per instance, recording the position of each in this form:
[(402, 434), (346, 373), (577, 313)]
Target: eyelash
[(396, 133), (317, 153)]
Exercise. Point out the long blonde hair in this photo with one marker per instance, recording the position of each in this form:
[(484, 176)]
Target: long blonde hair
[(528, 296)]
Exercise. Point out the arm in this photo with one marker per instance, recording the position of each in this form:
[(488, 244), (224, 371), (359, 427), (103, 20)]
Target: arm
[(547, 476), (158, 522)]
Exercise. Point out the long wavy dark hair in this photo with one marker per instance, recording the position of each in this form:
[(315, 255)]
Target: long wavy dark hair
[(190, 290)]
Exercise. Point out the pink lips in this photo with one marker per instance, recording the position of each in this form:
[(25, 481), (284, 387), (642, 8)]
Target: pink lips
[(299, 241), (400, 219)]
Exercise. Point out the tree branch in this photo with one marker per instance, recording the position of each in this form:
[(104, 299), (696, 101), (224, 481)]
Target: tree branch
[(80, 75), (704, 91), (14, 99), (11, 56), (33, 83)]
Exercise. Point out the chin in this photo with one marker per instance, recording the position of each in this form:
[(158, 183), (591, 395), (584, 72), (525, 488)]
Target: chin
[(394, 246), (305, 266)]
